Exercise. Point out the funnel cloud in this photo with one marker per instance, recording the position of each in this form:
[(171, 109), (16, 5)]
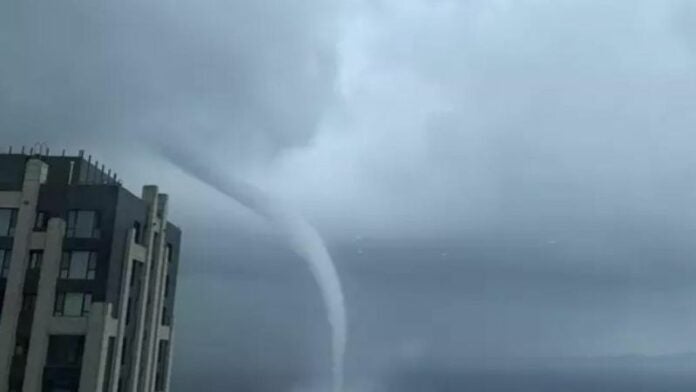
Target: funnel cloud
[(303, 238), (506, 186)]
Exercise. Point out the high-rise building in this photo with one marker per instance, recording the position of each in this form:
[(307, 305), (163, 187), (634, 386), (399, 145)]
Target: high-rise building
[(87, 279)]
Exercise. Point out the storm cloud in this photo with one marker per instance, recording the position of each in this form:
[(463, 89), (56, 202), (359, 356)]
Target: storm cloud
[(498, 180)]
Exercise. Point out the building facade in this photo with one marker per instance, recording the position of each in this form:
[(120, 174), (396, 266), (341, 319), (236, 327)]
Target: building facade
[(87, 279)]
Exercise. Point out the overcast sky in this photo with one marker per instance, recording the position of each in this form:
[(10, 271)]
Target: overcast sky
[(496, 180)]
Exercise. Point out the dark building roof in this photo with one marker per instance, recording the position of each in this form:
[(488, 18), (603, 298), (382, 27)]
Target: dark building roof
[(66, 170)]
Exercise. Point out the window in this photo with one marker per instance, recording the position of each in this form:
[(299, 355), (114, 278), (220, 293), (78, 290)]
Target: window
[(162, 362), (155, 244), (21, 347), (65, 350), (109, 363), (35, 259), (166, 287), (129, 309), (165, 316), (5, 255), (78, 265), (8, 220), (138, 232), (41, 221), (29, 303), (124, 350), (71, 304), (135, 274), (82, 224)]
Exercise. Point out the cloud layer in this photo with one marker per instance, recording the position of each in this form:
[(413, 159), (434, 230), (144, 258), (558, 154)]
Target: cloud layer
[(495, 178)]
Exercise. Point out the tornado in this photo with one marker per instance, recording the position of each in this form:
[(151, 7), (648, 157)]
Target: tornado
[(302, 237)]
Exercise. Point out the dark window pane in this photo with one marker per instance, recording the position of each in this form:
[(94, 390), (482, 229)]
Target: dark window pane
[(83, 224), (58, 307), (162, 362), (8, 217), (109, 363), (41, 221), (35, 259), (65, 350), (28, 303), (138, 232), (5, 255), (78, 265)]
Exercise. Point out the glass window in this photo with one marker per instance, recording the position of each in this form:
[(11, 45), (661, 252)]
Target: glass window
[(129, 309), (72, 304), (86, 303), (78, 265), (165, 316), (134, 273), (109, 363), (124, 349), (35, 259), (41, 221), (166, 286), (138, 232), (28, 303), (83, 224), (65, 350), (5, 255), (21, 346), (162, 362), (8, 220)]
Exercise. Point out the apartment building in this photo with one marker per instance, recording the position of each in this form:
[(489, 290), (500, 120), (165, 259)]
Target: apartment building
[(87, 279)]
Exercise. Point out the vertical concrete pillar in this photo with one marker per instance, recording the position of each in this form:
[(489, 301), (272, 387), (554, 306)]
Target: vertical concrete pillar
[(149, 195), (43, 312), (121, 327), (154, 310), (170, 358), (34, 175), (96, 341)]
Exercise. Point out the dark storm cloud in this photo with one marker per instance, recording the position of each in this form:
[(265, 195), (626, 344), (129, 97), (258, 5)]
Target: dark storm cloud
[(254, 76), (496, 178)]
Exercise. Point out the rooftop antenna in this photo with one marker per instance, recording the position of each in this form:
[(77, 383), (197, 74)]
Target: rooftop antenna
[(94, 172), (40, 147)]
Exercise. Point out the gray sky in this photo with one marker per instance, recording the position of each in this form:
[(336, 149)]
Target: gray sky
[(495, 179)]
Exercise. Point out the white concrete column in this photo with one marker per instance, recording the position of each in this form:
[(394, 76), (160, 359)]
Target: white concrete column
[(170, 359), (96, 342), (129, 256), (34, 175), (43, 311), (149, 195), (154, 311)]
